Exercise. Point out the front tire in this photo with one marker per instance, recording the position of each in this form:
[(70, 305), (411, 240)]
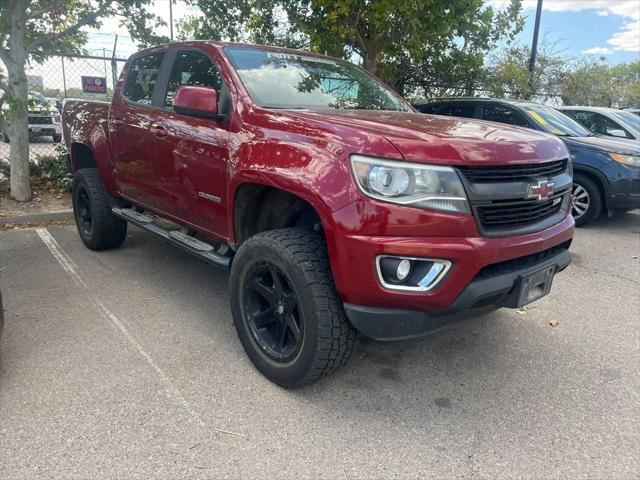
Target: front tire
[(286, 310), (587, 200), (99, 229), (57, 138)]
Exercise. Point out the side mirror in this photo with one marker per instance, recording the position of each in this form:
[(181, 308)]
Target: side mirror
[(616, 132), (197, 102)]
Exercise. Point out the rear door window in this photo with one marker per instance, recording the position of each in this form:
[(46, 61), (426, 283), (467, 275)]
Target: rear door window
[(591, 120), (141, 78), (426, 108), (503, 114), (457, 110)]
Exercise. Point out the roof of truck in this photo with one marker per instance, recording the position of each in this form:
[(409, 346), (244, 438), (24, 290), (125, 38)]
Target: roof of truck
[(192, 43)]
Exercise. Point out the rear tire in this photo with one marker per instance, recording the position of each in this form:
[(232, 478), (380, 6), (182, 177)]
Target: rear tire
[(286, 309), (587, 200), (5, 137), (99, 229)]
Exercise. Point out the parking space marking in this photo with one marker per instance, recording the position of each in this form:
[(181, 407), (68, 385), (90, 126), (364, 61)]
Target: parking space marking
[(72, 269)]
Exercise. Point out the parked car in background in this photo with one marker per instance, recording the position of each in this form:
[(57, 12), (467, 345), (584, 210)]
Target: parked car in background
[(606, 121), (43, 119), (56, 102), (606, 169), (335, 205)]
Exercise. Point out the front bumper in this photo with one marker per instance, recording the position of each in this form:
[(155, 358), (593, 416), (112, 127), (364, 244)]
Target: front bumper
[(45, 130), (491, 289), (625, 191)]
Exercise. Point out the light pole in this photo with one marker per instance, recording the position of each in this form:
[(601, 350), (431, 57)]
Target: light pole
[(171, 19), (534, 46)]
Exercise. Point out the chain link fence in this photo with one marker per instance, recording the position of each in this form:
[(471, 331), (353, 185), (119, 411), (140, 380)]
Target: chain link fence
[(50, 83)]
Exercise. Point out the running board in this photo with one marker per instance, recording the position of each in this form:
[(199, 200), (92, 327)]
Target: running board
[(196, 247)]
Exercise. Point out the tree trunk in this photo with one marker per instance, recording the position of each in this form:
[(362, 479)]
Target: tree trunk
[(19, 140), (18, 95), (370, 60)]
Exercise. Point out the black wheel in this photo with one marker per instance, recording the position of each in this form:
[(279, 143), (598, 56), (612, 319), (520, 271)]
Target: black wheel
[(587, 200), (286, 310), (5, 137), (99, 229), (57, 138)]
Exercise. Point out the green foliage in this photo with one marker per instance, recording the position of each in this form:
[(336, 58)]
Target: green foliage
[(575, 82), (407, 42), (595, 83), (53, 167), (508, 73)]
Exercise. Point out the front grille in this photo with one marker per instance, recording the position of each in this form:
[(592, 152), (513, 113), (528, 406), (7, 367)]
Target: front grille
[(40, 120), (518, 213), (514, 173)]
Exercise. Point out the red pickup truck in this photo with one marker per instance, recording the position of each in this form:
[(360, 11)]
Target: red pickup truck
[(338, 209)]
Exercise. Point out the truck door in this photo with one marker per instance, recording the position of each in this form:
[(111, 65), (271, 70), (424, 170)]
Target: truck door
[(130, 118), (191, 153)]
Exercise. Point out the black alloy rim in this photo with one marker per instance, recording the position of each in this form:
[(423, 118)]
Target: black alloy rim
[(273, 313), (84, 211)]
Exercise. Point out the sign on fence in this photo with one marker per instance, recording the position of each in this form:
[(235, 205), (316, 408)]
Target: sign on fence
[(94, 84)]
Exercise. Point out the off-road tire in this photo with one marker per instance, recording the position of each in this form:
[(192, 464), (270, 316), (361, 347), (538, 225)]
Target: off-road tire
[(106, 230), (594, 197), (57, 138), (329, 339)]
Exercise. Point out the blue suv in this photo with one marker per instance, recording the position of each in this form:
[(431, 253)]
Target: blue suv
[(606, 170)]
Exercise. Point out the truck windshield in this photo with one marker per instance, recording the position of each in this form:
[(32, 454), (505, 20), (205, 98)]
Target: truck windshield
[(556, 122), (295, 80)]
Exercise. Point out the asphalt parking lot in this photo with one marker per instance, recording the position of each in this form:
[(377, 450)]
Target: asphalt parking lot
[(125, 364)]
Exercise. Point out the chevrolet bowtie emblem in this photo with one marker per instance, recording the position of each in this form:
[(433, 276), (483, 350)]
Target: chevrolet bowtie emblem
[(541, 191)]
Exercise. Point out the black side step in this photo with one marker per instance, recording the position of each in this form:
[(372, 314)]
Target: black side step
[(196, 247)]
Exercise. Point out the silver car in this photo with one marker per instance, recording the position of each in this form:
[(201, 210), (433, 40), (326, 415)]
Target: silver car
[(43, 119), (606, 121)]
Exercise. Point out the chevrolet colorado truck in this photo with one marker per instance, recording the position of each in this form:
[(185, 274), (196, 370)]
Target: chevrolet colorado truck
[(337, 208)]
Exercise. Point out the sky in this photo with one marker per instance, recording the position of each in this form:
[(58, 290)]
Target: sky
[(607, 28)]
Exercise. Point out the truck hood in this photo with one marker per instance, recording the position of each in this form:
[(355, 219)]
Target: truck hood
[(448, 140), (604, 144)]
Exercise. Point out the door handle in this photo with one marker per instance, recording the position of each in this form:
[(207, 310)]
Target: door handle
[(158, 130)]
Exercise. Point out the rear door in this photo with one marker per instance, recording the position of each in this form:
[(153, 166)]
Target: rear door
[(132, 113), (191, 153)]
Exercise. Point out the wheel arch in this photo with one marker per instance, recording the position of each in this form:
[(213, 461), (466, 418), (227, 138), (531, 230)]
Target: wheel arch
[(597, 178), (260, 207)]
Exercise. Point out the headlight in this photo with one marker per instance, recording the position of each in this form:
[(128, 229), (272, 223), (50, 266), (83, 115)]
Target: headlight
[(411, 184), (633, 160)]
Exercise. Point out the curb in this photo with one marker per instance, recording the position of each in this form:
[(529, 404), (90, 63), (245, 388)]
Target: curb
[(37, 217)]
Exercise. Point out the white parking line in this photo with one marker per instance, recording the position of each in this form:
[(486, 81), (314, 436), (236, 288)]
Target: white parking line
[(71, 268)]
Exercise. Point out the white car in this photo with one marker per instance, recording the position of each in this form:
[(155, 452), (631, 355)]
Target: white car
[(606, 121), (43, 119)]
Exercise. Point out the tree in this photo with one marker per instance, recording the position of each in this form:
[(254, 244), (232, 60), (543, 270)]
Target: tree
[(32, 30), (400, 40), (509, 72), (595, 83)]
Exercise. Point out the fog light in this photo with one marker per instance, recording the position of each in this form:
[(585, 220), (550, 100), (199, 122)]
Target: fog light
[(404, 269), (409, 273)]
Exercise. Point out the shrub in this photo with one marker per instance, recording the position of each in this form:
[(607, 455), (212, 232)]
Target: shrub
[(55, 167)]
